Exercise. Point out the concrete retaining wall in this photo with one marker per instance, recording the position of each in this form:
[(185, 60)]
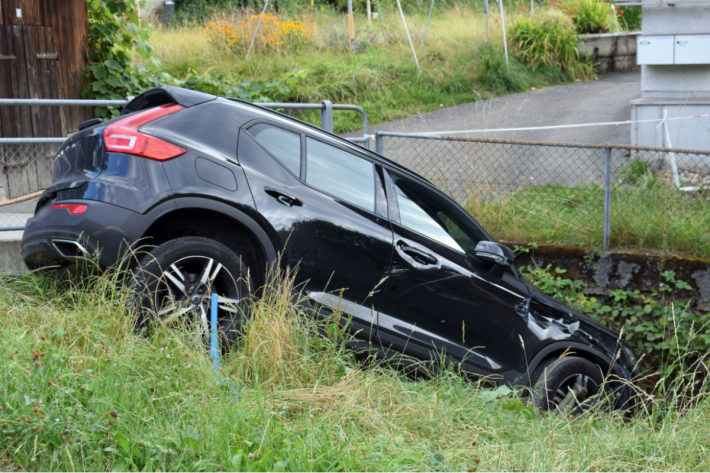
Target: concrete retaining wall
[(603, 273), (615, 52)]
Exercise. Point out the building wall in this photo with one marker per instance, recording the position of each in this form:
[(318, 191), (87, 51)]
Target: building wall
[(676, 81), (678, 90)]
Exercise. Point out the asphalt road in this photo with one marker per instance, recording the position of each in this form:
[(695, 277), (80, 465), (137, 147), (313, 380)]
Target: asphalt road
[(604, 100)]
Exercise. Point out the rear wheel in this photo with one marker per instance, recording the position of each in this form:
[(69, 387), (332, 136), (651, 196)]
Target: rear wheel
[(568, 386), (175, 282)]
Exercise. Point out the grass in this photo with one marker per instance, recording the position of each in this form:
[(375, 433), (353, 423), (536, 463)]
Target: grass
[(383, 79), (80, 390), (659, 218)]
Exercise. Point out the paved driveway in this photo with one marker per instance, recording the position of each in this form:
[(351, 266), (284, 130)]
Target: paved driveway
[(604, 100)]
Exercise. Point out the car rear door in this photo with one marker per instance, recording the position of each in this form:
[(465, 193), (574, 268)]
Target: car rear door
[(326, 208), (438, 295)]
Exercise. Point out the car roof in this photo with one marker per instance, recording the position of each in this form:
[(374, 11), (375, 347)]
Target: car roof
[(187, 98)]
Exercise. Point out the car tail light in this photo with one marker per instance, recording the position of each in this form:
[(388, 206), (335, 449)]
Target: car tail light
[(74, 209), (123, 136)]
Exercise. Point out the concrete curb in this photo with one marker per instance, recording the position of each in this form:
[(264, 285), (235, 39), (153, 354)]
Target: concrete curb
[(10, 259)]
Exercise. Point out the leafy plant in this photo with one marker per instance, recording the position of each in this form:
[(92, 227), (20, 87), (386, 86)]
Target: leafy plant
[(550, 40), (658, 325), (629, 17), (495, 74), (114, 35), (635, 171), (588, 16)]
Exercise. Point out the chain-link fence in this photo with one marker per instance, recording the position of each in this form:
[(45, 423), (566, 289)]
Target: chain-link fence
[(592, 195), (26, 171)]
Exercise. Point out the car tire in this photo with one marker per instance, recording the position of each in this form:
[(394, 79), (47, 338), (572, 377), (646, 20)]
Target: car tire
[(174, 283), (569, 385)]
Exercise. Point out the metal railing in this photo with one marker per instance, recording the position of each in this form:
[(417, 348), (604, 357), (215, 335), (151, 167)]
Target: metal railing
[(594, 195), (326, 107), (27, 162)]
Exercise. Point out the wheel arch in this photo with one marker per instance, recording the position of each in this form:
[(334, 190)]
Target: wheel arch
[(195, 216), (575, 349)]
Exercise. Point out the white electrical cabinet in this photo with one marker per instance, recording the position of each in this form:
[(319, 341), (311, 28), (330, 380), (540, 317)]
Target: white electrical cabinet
[(678, 49), (692, 49), (654, 50)]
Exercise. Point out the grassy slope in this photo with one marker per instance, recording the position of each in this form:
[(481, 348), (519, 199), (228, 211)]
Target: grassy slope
[(383, 80), (658, 218), (81, 391)]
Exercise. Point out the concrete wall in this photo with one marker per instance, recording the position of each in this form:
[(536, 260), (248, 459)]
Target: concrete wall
[(614, 52), (682, 90)]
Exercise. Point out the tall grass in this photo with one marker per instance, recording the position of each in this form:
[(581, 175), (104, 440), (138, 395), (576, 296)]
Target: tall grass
[(657, 217), (381, 77), (80, 390)]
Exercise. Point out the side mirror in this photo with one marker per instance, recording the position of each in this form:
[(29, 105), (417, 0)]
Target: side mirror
[(492, 252)]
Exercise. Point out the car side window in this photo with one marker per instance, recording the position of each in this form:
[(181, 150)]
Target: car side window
[(283, 145), (421, 210), (340, 173)]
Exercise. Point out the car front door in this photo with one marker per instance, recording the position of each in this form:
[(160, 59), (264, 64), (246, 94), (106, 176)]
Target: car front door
[(326, 208), (439, 297)]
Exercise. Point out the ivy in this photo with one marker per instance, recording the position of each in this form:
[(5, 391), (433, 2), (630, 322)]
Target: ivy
[(114, 37), (658, 325)]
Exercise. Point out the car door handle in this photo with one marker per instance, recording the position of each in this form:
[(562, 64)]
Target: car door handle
[(284, 198), (416, 257)]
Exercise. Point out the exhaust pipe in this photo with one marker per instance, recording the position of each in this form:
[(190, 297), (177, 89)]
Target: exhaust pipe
[(70, 249)]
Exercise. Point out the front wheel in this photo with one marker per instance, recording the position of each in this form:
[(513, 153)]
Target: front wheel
[(568, 386), (175, 282)]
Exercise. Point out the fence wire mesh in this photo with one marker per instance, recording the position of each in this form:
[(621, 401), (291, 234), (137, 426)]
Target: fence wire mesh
[(26, 171), (555, 192)]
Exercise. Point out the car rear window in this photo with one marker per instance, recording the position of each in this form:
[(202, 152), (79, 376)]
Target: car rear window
[(283, 145), (340, 173)]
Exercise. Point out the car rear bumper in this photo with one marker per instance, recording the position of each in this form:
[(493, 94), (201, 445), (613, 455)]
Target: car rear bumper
[(103, 233)]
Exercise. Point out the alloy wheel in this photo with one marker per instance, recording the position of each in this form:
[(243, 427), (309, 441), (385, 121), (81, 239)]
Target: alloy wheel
[(185, 289)]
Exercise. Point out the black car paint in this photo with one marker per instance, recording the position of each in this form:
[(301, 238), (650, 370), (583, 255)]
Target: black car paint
[(495, 326)]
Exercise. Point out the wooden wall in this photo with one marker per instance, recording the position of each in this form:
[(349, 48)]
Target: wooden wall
[(43, 45), (42, 54)]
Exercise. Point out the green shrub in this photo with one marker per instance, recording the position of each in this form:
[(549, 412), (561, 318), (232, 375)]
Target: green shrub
[(589, 16), (550, 40), (658, 325), (635, 171), (493, 73), (629, 17)]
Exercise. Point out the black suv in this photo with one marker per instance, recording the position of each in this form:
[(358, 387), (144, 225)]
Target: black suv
[(222, 187)]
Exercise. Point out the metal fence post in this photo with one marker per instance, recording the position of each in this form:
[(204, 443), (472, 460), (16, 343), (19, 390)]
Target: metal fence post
[(379, 147), (607, 196), (326, 116)]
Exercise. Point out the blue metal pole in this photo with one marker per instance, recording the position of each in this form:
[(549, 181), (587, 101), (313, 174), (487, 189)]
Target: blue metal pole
[(214, 341)]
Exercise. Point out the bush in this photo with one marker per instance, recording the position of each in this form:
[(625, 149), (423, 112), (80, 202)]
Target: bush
[(272, 32), (589, 16), (494, 74), (550, 40), (629, 17)]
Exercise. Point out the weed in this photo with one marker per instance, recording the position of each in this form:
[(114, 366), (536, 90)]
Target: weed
[(551, 40)]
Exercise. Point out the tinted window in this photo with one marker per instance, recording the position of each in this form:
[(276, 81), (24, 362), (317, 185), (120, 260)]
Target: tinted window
[(340, 173), (426, 213), (284, 145)]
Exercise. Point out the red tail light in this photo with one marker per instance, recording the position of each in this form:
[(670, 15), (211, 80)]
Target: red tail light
[(123, 136), (74, 209)]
